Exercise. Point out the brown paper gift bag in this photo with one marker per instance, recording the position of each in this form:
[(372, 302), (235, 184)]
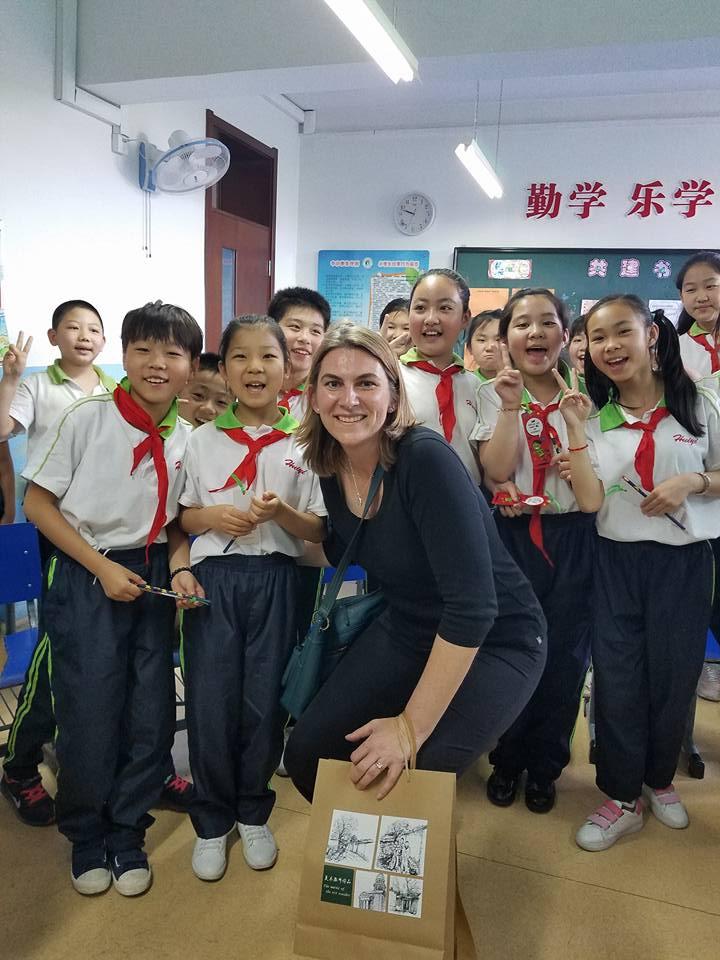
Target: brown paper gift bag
[(379, 878)]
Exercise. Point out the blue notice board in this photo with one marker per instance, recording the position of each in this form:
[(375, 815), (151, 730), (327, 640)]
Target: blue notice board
[(359, 283)]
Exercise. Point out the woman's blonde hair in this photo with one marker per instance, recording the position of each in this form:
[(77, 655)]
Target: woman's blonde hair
[(323, 453)]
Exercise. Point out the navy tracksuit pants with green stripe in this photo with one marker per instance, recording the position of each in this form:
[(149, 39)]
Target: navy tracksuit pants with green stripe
[(113, 687)]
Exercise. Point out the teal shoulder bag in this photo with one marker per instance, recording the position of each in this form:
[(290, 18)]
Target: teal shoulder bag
[(334, 626)]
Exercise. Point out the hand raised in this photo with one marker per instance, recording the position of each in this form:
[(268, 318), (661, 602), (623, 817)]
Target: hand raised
[(508, 382), (574, 406), (15, 359)]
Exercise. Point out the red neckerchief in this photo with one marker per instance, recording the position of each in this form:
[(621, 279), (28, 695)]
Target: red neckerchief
[(134, 414), (244, 474), (645, 453), (443, 392), (285, 399), (712, 349), (543, 441)]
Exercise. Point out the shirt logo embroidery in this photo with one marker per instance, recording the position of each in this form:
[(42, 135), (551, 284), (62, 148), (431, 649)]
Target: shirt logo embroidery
[(681, 438), (293, 466), (178, 464)]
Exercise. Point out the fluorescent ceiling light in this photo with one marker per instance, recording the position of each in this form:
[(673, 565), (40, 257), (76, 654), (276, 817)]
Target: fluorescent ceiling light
[(477, 164), (367, 22)]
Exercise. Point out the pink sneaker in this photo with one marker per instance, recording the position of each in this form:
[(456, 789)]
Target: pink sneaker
[(608, 823), (667, 806)]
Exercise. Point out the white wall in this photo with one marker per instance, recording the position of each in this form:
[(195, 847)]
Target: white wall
[(71, 210), (350, 182)]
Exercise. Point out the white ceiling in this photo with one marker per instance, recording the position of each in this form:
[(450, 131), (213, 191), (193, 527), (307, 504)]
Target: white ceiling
[(558, 60)]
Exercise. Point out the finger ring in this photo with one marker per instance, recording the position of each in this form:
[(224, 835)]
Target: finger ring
[(379, 764)]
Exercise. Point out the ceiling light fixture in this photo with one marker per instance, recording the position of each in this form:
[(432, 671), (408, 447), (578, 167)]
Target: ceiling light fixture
[(367, 22), (475, 161)]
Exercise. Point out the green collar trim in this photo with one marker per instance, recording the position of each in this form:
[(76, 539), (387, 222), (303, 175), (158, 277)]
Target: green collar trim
[(57, 376), (412, 356), (612, 415), (228, 420), (697, 331), (169, 421), (482, 378)]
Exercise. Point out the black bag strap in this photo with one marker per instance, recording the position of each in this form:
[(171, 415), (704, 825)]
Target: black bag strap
[(324, 608)]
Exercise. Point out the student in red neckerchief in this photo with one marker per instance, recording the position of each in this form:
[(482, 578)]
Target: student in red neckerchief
[(251, 501), (698, 281), (440, 390), (104, 487), (699, 284), (523, 442), (304, 316), (655, 447)]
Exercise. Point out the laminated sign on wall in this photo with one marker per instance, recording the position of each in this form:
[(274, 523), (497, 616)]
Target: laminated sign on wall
[(380, 874)]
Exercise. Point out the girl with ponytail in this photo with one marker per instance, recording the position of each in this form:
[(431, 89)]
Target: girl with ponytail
[(649, 463)]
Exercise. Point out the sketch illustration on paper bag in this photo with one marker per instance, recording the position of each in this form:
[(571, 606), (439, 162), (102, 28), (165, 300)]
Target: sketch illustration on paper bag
[(352, 838), (402, 846), (370, 892), (405, 896)]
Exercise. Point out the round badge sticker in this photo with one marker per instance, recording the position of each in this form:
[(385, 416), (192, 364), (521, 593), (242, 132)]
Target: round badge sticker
[(534, 501), (534, 427)]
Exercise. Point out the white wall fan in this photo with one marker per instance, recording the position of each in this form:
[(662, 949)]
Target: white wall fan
[(190, 164)]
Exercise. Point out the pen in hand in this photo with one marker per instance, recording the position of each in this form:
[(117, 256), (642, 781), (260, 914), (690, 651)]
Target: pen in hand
[(643, 494)]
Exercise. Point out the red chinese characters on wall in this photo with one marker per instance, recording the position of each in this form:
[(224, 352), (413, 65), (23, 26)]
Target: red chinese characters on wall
[(649, 198)]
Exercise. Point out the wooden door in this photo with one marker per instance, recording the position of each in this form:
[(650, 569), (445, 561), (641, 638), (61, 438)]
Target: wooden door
[(239, 231)]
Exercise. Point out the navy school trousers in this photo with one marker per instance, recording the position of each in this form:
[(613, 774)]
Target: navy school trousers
[(377, 676), (235, 653), (539, 740), (653, 604), (113, 688)]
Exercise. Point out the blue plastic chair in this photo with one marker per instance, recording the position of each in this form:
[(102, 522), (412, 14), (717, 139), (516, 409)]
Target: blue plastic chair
[(20, 581)]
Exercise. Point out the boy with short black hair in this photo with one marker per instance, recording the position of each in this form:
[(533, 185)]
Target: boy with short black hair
[(304, 316), (206, 396), (104, 488), (394, 325)]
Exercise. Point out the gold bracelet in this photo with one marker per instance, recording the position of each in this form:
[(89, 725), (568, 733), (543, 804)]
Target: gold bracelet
[(510, 409), (706, 483)]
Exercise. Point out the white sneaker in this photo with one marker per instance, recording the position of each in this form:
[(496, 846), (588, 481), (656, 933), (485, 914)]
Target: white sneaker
[(608, 823), (709, 685), (131, 873), (259, 847), (667, 807), (209, 858)]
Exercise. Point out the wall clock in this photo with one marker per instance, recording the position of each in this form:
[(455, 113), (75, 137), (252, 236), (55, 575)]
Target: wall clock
[(414, 213)]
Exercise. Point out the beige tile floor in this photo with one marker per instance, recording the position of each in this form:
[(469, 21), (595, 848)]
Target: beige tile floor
[(530, 892)]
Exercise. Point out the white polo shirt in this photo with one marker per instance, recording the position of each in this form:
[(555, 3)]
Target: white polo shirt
[(695, 357), (212, 456), (85, 459), (676, 451), (420, 386), (296, 405), (41, 398), (558, 491)]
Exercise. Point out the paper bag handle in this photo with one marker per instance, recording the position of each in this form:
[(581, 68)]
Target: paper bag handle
[(406, 732)]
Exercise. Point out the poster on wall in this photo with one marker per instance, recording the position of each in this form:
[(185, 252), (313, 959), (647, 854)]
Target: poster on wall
[(359, 283)]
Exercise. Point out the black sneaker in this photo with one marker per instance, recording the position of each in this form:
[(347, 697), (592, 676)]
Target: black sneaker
[(540, 795), (131, 873), (32, 803), (90, 872), (177, 794), (502, 787)]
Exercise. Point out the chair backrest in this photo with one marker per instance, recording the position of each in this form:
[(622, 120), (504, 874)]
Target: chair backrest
[(20, 569), (353, 573)]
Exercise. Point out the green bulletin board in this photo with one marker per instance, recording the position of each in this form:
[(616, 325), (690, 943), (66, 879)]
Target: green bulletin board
[(576, 275)]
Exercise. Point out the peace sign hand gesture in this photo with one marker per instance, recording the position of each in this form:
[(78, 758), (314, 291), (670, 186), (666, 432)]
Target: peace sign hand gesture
[(15, 359), (574, 406), (508, 382)]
